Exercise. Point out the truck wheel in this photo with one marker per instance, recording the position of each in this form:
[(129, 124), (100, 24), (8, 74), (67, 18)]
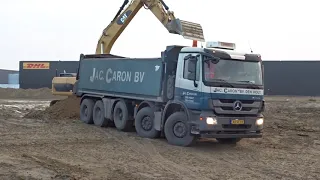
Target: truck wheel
[(144, 123), (228, 140), (98, 114), (86, 111), (121, 116), (177, 130)]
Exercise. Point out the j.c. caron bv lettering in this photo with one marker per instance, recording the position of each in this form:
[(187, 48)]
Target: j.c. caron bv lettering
[(111, 75)]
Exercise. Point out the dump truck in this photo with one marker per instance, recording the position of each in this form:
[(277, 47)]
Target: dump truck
[(186, 94)]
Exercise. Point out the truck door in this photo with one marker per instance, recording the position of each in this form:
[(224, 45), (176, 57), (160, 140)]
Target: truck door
[(188, 83)]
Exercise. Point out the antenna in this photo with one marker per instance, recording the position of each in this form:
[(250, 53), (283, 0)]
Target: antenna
[(250, 46)]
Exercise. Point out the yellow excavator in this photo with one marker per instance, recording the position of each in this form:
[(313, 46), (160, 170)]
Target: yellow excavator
[(63, 84)]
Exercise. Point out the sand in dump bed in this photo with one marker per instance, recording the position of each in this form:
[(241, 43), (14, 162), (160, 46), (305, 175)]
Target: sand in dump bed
[(64, 109)]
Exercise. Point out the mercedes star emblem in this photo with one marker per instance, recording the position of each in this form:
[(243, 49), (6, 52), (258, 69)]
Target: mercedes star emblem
[(237, 106)]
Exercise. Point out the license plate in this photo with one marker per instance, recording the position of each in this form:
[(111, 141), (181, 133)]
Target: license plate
[(237, 121)]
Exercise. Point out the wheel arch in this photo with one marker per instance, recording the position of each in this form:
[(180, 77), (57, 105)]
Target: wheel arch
[(115, 101), (93, 97), (146, 104), (173, 106)]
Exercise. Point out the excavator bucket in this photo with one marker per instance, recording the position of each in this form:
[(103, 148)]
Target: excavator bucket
[(188, 30)]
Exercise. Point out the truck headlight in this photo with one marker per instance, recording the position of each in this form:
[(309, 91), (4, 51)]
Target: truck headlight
[(211, 120), (259, 121)]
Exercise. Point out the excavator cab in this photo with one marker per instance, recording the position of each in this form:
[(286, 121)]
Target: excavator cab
[(63, 84)]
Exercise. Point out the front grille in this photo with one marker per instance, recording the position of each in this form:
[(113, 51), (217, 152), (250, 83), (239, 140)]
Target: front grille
[(231, 108), (235, 126), (233, 100), (226, 106)]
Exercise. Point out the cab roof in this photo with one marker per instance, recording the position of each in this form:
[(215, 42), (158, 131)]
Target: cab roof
[(223, 53)]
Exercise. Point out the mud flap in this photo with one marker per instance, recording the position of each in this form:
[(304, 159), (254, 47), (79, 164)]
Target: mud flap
[(108, 104), (157, 120), (188, 30)]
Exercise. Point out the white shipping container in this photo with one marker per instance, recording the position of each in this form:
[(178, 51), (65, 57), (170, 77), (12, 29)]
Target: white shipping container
[(13, 78)]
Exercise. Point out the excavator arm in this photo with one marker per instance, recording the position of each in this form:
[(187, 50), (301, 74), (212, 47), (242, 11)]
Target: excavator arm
[(111, 33), (63, 86)]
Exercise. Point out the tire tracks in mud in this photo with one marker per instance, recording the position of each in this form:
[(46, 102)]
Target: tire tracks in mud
[(225, 160), (61, 169), (251, 166), (185, 172), (18, 122), (149, 152), (48, 142), (26, 166)]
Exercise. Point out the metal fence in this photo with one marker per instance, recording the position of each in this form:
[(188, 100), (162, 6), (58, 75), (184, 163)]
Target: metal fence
[(296, 78)]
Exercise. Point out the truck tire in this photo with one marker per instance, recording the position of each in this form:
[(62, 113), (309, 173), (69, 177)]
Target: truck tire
[(86, 111), (177, 130), (98, 114), (144, 122), (121, 116), (228, 140)]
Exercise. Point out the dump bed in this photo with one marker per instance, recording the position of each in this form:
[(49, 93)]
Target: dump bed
[(121, 77)]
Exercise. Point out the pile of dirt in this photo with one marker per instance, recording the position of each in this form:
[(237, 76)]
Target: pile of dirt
[(11, 93), (64, 109)]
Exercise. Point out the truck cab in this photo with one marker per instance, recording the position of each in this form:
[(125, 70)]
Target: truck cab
[(222, 89)]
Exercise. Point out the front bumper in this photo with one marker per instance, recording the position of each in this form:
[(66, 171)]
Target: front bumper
[(224, 128)]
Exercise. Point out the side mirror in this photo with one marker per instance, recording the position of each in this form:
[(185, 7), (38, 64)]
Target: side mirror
[(262, 71)]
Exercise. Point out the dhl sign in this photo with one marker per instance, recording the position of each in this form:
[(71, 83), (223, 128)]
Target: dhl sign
[(36, 65)]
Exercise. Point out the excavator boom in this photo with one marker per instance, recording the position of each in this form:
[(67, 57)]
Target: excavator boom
[(188, 30), (111, 33)]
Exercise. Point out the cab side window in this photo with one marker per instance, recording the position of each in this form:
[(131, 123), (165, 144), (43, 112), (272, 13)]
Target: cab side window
[(188, 72)]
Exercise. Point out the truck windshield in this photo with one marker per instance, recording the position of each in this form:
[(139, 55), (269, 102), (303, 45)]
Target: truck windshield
[(233, 72)]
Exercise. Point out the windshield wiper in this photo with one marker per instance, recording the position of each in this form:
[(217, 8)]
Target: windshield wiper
[(224, 81), (246, 82), (251, 84)]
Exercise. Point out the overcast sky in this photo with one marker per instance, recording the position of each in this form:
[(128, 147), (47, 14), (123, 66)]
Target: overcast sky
[(63, 29)]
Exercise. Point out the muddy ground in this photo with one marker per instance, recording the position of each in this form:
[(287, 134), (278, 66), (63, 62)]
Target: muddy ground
[(37, 142)]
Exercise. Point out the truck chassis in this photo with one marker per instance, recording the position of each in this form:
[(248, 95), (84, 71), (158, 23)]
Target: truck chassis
[(174, 121)]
